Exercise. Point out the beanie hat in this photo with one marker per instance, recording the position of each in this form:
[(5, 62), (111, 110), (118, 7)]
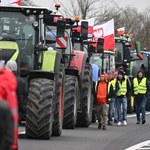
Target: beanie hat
[(12, 65), (121, 72)]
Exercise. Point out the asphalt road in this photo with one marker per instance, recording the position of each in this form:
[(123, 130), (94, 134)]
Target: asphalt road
[(114, 138)]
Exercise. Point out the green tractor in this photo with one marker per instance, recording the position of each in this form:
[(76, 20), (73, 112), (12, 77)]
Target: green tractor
[(123, 59), (22, 38)]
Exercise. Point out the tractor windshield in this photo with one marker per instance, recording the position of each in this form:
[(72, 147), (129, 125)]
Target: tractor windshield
[(18, 27), (109, 61)]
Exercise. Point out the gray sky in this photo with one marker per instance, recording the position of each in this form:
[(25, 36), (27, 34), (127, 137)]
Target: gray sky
[(141, 5)]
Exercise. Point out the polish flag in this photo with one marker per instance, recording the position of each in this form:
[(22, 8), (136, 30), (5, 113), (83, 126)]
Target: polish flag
[(10, 2), (90, 25), (121, 31), (105, 31)]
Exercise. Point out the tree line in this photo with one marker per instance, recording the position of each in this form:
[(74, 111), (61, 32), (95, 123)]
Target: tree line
[(137, 24)]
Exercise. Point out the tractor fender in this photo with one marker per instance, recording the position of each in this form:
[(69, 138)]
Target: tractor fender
[(39, 74), (95, 70), (78, 61), (71, 71)]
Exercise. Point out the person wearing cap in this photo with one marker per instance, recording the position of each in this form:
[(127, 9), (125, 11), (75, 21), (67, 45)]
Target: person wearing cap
[(139, 91), (101, 100), (20, 91), (121, 98)]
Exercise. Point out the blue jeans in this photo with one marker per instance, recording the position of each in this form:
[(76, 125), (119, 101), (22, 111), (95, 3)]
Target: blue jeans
[(112, 110), (140, 102), (121, 104)]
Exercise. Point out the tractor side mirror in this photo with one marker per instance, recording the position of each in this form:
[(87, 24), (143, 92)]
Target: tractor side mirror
[(100, 45), (127, 57), (84, 30), (61, 26)]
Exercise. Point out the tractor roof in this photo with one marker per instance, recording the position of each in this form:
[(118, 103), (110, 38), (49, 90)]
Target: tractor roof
[(26, 9)]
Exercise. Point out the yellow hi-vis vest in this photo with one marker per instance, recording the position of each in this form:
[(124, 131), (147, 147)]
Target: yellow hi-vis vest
[(113, 83), (139, 88), (122, 88)]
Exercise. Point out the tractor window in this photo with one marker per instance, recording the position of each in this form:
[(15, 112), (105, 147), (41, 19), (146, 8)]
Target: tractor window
[(18, 27), (77, 46), (119, 53), (109, 62), (51, 36)]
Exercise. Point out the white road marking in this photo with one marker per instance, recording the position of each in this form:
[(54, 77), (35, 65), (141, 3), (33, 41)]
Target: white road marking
[(141, 146), (131, 116)]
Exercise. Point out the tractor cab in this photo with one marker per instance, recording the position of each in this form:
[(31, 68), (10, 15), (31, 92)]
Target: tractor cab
[(122, 53), (109, 60), (19, 34)]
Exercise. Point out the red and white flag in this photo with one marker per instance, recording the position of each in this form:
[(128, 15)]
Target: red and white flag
[(121, 30), (105, 31), (10, 2), (90, 25)]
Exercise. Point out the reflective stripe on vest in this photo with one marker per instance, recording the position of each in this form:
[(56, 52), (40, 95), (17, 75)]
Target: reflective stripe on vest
[(122, 88), (113, 83), (139, 88), (96, 85)]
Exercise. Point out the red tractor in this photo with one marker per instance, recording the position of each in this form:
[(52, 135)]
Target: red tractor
[(78, 102)]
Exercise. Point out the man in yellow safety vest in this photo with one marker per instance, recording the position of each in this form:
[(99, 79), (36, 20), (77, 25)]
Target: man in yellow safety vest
[(139, 91)]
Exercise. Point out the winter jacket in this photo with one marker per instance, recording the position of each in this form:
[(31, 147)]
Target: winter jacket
[(101, 92), (8, 85)]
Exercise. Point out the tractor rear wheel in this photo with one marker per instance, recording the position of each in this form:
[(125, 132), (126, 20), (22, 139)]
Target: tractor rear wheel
[(59, 102), (39, 114), (84, 118), (70, 102)]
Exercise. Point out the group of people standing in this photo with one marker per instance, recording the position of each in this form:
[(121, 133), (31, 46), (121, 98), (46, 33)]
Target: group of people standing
[(112, 92)]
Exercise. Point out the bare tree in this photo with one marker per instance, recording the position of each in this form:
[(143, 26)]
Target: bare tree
[(86, 8)]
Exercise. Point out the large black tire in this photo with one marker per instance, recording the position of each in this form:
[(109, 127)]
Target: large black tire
[(39, 115), (84, 118), (59, 102), (70, 102), (6, 126)]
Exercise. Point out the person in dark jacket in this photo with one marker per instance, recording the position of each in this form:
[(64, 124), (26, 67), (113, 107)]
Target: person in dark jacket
[(113, 87), (12, 65), (139, 91)]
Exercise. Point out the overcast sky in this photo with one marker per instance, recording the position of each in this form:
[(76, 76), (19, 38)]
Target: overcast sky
[(139, 4)]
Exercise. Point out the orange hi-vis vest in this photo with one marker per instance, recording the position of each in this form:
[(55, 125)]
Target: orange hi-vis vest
[(101, 93)]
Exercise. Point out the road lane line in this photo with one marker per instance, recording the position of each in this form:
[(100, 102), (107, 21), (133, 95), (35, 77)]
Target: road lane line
[(139, 146), (131, 116)]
